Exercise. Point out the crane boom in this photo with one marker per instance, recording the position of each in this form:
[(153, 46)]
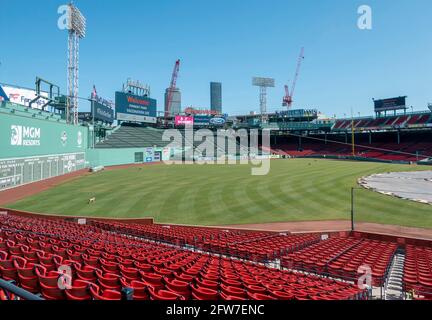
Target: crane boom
[(288, 98), (300, 59), (172, 88)]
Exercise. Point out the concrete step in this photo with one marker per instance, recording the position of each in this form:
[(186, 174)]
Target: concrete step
[(393, 289)]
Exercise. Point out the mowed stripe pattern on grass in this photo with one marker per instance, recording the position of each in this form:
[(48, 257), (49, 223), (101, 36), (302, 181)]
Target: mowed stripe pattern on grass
[(294, 190)]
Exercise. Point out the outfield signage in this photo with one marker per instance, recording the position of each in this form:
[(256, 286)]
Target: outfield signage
[(149, 155), (21, 136), (201, 120), (193, 111), (217, 121), (390, 104), (102, 112), (18, 171), (298, 113), (184, 120), (130, 107), (23, 96), (166, 154), (25, 136)]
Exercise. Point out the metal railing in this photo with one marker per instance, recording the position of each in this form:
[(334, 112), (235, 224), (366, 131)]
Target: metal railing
[(11, 291)]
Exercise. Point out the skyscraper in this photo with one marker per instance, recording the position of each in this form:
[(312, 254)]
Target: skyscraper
[(176, 101), (216, 97)]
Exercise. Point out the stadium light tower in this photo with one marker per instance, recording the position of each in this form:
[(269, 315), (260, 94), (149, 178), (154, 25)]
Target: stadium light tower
[(263, 84), (76, 31)]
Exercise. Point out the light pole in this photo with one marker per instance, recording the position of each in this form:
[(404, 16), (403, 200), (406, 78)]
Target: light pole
[(352, 209), (93, 122)]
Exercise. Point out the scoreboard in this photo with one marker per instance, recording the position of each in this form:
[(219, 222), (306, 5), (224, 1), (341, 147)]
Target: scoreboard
[(390, 104), (18, 171)]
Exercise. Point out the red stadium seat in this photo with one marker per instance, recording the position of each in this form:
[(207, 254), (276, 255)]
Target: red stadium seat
[(108, 281), (7, 268), (140, 289), (163, 295), (152, 279), (79, 290), (203, 293), (99, 294), (260, 296), (178, 287)]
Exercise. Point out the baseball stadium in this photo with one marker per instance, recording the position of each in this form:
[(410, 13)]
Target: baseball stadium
[(128, 202)]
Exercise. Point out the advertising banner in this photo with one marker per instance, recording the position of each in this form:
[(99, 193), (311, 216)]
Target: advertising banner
[(166, 154), (23, 96), (390, 104), (22, 136), (202, 120), (130, 107), (102, 112), (183, 120), (217, 121), (149, 155)]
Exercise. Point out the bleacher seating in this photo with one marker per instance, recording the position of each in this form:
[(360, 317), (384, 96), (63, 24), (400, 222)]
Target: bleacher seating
[(413, 146), (135, 136), (341, 258), (398, 121), (104, 263), (418, 271), (127, 136), (255, 246)]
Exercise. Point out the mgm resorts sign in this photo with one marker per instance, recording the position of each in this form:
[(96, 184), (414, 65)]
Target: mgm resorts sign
[(25, 136)]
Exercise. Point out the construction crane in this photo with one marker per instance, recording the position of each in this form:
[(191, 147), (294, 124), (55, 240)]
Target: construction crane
[(171, 88), (288, 98)]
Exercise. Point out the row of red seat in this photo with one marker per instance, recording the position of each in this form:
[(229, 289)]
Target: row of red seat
[(255, 246), (418, 270), (260, 250), (104, 263), (393, 121), (180, 235), (342, 257)]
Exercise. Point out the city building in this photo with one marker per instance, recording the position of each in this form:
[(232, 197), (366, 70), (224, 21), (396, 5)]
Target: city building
[(216, 97), (176, 101)]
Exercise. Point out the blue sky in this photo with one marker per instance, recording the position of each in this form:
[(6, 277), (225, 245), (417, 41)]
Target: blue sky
[(230, 41)]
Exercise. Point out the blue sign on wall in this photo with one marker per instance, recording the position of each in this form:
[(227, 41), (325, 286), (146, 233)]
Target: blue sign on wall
[(201, 120), (102, 112), (217, 121), (130, 107)]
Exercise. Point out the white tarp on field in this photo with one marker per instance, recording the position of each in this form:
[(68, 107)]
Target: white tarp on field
[(416, 186)]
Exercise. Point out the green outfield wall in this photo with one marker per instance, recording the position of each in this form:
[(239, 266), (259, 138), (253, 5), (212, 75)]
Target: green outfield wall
[(22, 137), (113, 157), (35, 149)]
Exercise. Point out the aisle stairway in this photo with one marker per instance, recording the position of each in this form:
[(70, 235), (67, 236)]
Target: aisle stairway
[(394, 290)]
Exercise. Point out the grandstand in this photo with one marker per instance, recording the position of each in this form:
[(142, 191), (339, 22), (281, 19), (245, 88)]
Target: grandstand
[(392, 146), (129, 135), (413, 120), (163, 262), (133, 136)]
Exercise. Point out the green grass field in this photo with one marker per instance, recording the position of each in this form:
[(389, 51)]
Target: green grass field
[(294, 190)]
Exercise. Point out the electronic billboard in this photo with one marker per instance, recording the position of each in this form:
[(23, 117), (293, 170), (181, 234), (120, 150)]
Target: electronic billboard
[(390, 104), (130, 107)]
